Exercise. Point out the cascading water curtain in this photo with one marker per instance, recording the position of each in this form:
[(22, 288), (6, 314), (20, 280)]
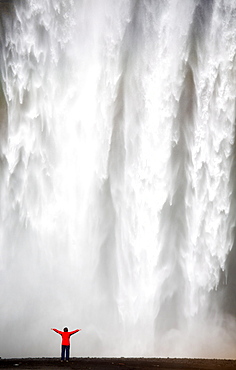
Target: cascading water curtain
[(116, 176)]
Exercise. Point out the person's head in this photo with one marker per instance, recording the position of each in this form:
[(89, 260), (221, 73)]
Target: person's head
[(65, 329)]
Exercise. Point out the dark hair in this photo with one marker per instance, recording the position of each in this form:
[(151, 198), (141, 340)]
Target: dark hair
[(65, 329)]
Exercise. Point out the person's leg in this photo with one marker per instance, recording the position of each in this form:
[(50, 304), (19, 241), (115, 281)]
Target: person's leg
[(63, 348), (67, 353)]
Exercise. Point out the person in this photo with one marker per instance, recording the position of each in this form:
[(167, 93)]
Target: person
[(65, 344)]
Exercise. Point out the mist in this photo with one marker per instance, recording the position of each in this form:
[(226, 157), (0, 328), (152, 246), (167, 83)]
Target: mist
[(117, 177)]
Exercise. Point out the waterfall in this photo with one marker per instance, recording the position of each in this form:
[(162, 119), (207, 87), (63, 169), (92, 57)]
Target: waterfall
[(117, 122)]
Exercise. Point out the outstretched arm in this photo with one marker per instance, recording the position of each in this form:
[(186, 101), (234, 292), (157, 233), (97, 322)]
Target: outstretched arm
[(57, 331), (74, 331)]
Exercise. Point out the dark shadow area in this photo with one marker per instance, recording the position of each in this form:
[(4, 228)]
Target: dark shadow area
[(6, 7), (199, 29)]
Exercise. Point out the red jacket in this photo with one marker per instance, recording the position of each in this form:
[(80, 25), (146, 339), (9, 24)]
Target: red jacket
[(66, 336)]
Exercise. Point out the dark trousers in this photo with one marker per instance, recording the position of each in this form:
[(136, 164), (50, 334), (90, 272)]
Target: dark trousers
[(65, 349)]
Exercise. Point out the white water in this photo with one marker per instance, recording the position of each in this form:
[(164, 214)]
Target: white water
[(117, 208)]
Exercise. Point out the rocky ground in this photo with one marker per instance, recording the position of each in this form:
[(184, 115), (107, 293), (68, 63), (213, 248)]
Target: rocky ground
[(118, 363)]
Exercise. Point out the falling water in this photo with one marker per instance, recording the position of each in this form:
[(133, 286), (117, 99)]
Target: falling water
[(117, 191)]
